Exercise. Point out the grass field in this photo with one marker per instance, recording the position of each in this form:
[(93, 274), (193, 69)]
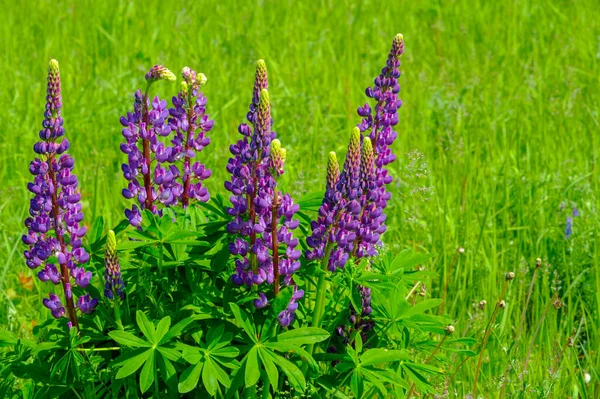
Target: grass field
[(499, 139)]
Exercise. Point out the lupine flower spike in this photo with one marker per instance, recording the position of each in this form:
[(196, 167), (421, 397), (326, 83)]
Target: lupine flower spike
[(114, 288), (378, 126), (164, 183), (263, 217), (54, 225), (334, 232)]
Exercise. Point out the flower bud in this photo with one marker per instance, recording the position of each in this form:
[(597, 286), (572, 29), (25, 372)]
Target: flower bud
[(450, 329), (159, 72), (509, 276), (333, 171), (502, 304), (276, 158)]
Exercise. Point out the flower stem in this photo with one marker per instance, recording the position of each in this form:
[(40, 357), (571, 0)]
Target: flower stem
[(186, 168), (486, 337), (64, 271), (117, 309), (321, 290), (146, 148)]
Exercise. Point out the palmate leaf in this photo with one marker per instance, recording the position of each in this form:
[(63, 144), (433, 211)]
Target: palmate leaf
[(152, 354)]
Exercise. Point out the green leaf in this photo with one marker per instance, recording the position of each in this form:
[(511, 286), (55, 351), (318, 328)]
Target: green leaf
[(148, 373), (135, 244), (408, 259), (375, 380), (145, 325), (168, 372), (189, 378), (177, 329), (382, 355), (252, 372), (162, 328), (417, 378), (209, 377), (169, 353), (244, 321), (356, 384), (270, 368), (293, 373), (128, 339), (358, 343), (96, 230), (421, 307), (303, 336), (133, 364)]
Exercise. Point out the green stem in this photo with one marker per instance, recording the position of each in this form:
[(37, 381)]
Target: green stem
[(320, 292), (117, 309)]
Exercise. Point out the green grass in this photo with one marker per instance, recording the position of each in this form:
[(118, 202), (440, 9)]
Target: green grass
[(500, 118)]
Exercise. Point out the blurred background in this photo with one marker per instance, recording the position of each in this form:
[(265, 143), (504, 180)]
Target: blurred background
[(498, 137)]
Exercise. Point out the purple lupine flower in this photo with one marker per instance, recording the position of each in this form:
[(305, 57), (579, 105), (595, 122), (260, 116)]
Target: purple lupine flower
[(265, 247), (286, 317), (54, 225), (576, 212), (53, 303), (190, 123), (174, 178), (378, 126), (569, 227), (372, 218), (334, 231), (114, 286)]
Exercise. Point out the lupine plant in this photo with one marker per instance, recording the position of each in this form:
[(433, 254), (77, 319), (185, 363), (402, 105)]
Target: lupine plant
[(260, 295), (55, 232), (263, 217)]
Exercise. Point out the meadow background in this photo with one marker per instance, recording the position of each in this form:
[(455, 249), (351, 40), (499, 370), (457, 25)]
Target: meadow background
[(498, 139)]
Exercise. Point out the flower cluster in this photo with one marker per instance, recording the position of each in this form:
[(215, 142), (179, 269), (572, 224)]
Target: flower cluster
[(54, 225), (334, 232), (114, 286), (351, 218), (173, 179), (263, 218), (379, 127)]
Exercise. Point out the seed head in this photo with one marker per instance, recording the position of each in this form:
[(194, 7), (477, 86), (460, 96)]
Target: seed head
[(558, 304), (502, 304), (450, 329), (482, 304), (570, 342), (509, 276), (538, 263)]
